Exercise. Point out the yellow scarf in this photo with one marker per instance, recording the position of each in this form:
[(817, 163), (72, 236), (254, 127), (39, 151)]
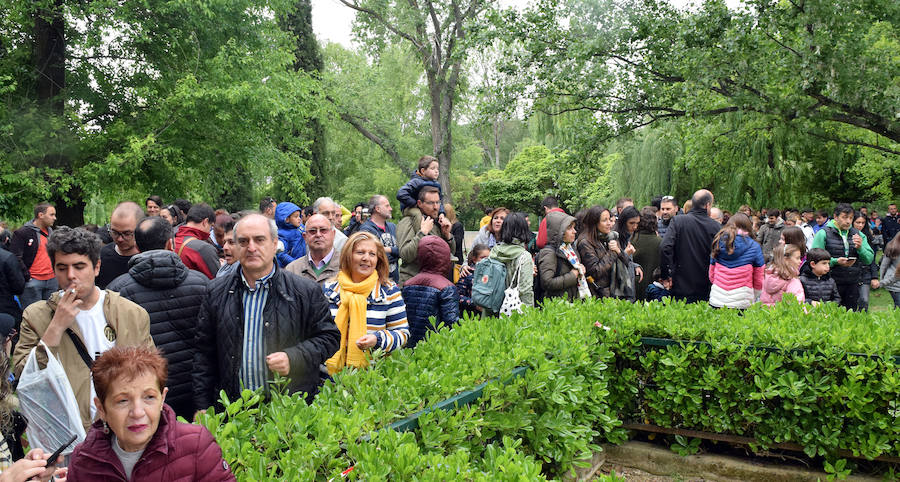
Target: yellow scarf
[(351, 321)]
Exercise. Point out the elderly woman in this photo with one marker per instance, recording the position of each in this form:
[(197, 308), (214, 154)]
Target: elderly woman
[(137, 437), (366, 305), (489, 235)]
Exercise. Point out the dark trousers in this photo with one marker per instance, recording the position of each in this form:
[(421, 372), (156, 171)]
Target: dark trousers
[(849, 296)]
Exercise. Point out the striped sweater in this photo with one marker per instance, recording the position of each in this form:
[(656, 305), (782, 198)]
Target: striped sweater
[(736, 277), (385, 314)]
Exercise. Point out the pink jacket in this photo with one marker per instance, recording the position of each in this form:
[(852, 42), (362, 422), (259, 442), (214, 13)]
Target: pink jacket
[(177, 451), (774, 287)]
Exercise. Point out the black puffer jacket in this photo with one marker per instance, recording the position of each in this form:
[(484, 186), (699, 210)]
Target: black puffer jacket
[(171, 293), (297, 322), (818, 288), (12, 283)]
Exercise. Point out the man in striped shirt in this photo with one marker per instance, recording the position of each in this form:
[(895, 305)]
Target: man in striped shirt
[(261, 321)]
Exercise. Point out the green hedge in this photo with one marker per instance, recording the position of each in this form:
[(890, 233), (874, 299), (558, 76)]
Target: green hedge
[(582, 382)]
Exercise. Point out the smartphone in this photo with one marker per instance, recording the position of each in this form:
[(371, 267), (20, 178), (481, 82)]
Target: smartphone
[(852, 258), (55, 455)]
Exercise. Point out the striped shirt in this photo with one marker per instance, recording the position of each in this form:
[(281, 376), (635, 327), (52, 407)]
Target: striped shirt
[(385, 314), (253, 355)]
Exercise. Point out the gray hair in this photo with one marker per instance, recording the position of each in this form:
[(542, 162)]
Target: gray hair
[(374, 200), (273, 228), (320, 201)]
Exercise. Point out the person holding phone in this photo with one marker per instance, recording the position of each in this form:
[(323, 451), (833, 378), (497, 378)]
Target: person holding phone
[(849, 250), (137, 437)]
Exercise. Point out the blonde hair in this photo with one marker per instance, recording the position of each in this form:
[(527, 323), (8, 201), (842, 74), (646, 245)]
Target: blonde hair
[(779, 264), (450, 212), (382, 267)]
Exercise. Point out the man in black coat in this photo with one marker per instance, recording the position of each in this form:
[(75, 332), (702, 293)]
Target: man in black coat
[(171, 293), (12, 282), (684, 251), (260, 321)]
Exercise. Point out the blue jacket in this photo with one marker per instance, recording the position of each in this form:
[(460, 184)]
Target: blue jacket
[(388, 237), (430, 293), (409, 193), (290, 236)]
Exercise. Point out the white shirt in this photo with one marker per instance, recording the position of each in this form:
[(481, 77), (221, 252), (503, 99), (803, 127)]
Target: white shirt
[(92, 323)]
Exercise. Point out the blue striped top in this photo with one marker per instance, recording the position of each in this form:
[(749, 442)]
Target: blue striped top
[(253, 354), (385, 314)]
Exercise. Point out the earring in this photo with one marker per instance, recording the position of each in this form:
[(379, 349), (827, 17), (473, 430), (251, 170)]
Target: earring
[(105, 428)]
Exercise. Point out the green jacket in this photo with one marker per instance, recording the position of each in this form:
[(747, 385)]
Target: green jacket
[(865, 253), (408, 237), (511, 255)]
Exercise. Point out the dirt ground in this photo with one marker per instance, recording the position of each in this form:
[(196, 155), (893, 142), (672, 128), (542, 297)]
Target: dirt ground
[(636, 475)]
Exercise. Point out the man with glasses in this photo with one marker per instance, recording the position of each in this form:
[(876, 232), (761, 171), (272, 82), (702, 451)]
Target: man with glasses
[(114, 257), (190, 241), (331, 210), (418, 222), (322, 261)]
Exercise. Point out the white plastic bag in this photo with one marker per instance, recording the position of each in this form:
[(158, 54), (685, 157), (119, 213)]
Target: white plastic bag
[(49, 405)]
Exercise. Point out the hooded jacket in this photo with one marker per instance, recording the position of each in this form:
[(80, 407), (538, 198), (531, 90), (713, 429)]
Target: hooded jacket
[(684, 253), (177, 451), (171, 294), (127, 321), (555, 270), (774, 288), (736, 277), (430, 293), (197, 255), (408, 236), (289, 235), (409, 193), (516, 258), (768, 236)]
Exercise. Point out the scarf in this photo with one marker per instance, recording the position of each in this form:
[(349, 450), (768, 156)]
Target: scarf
[(351, 321)]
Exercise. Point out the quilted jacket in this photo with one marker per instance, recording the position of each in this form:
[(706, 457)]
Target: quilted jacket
[(297, 322), (171, 293), (177, 451), (430, 293)]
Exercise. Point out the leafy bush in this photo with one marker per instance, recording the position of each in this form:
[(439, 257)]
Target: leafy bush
[(780, 374)]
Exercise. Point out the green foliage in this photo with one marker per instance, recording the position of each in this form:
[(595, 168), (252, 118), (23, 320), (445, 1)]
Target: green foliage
[(180, 99), (778, 375)]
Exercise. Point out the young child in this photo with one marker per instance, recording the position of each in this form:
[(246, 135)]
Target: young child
[(426, 175), (781, 276), (818, 287), (464, 285), (659, 289)]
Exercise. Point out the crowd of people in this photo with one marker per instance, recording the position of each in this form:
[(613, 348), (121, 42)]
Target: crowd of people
[(175, 303)]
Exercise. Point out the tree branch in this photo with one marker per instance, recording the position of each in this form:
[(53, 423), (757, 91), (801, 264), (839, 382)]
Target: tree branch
[(853, 143), (393, 28)]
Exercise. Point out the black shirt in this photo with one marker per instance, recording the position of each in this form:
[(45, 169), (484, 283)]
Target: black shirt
[(112, 265)]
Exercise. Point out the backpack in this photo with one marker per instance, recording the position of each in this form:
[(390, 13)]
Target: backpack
[(489, 284)]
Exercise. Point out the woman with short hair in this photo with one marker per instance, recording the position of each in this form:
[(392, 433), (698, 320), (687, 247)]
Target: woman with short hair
[(137, 437)]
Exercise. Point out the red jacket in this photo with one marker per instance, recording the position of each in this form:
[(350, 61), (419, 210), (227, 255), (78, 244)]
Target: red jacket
[(177, 451), (541, 240), (198, 255)]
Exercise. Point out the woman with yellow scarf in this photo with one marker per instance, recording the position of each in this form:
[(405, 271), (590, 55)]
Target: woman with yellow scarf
[(366, 305)]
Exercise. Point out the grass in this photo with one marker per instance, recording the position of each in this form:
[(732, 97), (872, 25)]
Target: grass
[(880, 300)]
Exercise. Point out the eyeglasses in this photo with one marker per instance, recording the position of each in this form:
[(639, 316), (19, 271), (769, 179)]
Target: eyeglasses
[(431, 203), (123, 235), (314, 231)]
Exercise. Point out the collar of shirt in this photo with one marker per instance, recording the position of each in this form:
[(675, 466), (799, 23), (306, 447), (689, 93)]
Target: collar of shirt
[(325, 260), (260, 283)]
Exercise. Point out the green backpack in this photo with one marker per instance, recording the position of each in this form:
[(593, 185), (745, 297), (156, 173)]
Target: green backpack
[(488, 284)]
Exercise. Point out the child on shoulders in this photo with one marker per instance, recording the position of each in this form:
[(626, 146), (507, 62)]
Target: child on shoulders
[(426, 175), (781, 276)]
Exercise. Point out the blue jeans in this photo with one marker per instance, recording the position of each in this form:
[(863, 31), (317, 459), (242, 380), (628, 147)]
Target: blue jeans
[(37, 290)]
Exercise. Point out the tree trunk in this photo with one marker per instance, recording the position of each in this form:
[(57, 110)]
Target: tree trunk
[(50, 83)]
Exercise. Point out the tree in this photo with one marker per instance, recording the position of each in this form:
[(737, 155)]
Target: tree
[(436, 31), (164, 97), (808, 65)]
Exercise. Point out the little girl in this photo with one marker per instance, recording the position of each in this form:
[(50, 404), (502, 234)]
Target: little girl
[(781, 275)]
